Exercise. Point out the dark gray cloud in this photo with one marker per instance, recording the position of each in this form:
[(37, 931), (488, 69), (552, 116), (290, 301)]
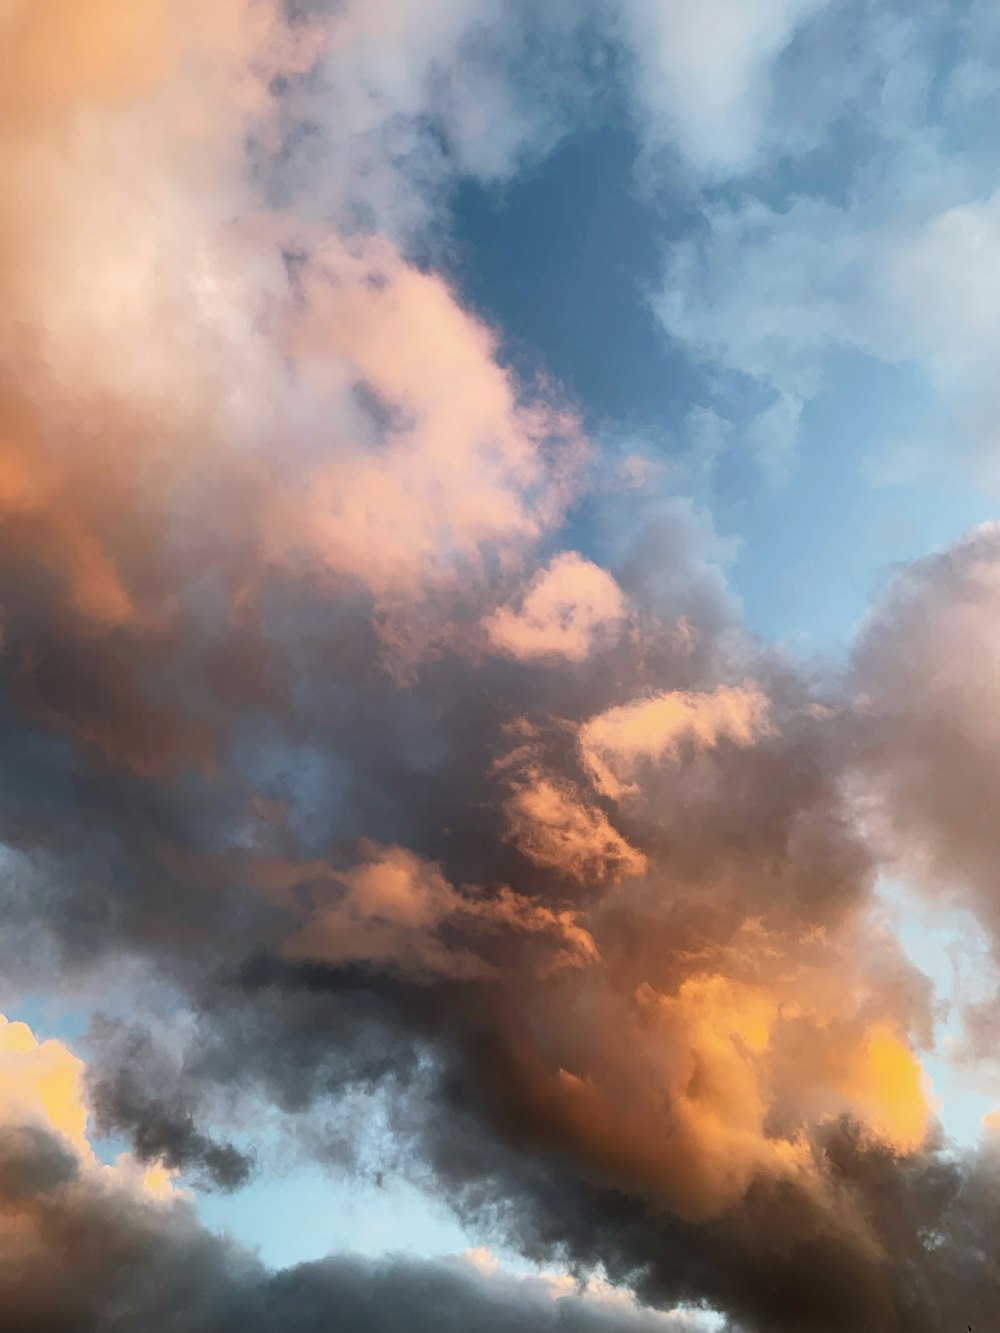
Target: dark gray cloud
[(80, 1253), (138, 1098)]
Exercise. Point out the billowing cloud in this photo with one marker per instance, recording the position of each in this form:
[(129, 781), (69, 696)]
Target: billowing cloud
[(926, 669), (568, 607), (554, 826), (42, 1083), (43, 1108), (395, 911), (304, 723), (614, 744), (127, 1248), (461, 467)]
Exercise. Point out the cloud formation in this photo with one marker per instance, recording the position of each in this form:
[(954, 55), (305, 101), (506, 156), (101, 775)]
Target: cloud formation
[(879, 253), (614, 744), (128, 1249), (305, 720), (566, 608)]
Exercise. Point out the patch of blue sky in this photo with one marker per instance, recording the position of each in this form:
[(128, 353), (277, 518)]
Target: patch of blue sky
[(948, 945), (816, 549), (564, 261), (306, 1214), (50, 1015)]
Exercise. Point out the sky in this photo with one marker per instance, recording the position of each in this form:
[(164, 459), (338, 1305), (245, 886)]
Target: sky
[(499, 587)]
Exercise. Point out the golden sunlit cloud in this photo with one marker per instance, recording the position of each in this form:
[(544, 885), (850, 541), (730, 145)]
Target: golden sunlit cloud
[(615, 744)]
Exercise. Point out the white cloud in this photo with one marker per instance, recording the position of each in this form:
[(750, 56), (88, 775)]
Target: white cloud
[(906, 275), (883, 243), (702, 72)]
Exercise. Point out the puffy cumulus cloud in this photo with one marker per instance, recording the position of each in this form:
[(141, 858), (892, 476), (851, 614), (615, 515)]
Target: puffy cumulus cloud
[(614, 744), (553, 825), (43, 1111), (462, 464), (118, 295), (42, 1083), (200, 385), (703, 76), (926, 668), (613, 1302), (746, 1106), (123, 1261), (550, 818), (735, 1065), (567, 608)]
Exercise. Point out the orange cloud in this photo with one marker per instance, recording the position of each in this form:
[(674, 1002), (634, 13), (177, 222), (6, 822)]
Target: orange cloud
[(66, 52), (459, 462), (272, 393), (391, 910), (889, 1090), (124, 312), (735, 1073), (41, 1085), (568, 607), (551, 824), (614, 744)]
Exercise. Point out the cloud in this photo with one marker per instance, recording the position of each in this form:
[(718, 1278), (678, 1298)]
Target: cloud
[(592, 920), (615, 743), (42, 1084), (568, 607), (132, 1099), (878, 248), (462, 463), (553, 825), (407, 97), (703, 73), (44, 1122), (126, 1251), (397, 911), (925, 670)]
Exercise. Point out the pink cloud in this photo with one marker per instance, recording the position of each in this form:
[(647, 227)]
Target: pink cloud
[(458, 464), (564, 611), (391, 910), (553, 826), (614, 744)]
